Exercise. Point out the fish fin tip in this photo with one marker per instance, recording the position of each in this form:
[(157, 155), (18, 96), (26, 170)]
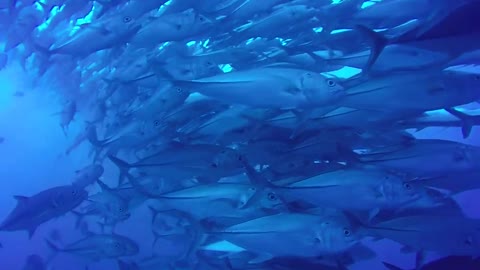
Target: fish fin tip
[(378, 43), (391, 266)]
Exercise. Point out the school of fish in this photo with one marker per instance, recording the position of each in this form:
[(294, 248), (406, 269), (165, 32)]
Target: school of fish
[(229, 122)]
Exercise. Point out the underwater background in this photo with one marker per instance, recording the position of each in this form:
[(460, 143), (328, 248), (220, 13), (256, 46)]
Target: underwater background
[(167, 120)]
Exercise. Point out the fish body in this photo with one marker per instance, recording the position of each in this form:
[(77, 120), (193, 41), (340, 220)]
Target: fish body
[(33, 211)]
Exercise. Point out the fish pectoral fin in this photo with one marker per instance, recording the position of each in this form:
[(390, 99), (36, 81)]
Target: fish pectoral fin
[(260, 258), (101, 29), (373, 213)]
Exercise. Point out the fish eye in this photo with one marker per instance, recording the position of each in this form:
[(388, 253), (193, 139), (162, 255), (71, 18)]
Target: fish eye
[(477, 77), (179, 89), (156, 123), (407, 186), (272, 196), (386, 177), (347, 232), (127, 19), (202, 18), (120, 209), (331, 83), (214, 165), (252, 189), (240, 158)]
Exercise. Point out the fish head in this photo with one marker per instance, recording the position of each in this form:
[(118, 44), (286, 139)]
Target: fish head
[(121, 246), (319, 89), (271, 201), (297, 11), (202, 22), (118, 210), (132, 69), (88, 175), (120, 25), (465, 157), (335, 235), (191, 20), (395, 189), (463, 79), (68, 197), (204, 67)]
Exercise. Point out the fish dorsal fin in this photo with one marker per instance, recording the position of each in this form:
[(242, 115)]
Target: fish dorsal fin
[(104, 186), (31, 232), (21, 199)]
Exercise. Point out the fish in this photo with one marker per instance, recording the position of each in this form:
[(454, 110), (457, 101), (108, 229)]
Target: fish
[(455, 156), (460, 238), (88, 175), (293, 88), (313, 235), (368, 188), (31, 212), (171, 27), (99, 246), (106, 33)]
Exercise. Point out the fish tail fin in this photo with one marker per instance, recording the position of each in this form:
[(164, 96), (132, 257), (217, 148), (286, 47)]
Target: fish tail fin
[(31, 232), (377, 43), (156, 237), (64, 129), (468, 121), (391, 266), (154, 213), (103, 186), (102, 226), (123, 166), (254, 176), (139, 187)]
